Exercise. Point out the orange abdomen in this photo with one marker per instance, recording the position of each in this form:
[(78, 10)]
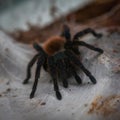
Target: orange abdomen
[(53, 45)]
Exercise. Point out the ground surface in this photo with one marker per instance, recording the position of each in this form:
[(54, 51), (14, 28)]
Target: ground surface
[(86, 101)]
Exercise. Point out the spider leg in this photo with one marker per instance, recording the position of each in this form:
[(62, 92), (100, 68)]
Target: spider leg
[(77, 78), (37, 75), (72, 69), (62, 69), (76, 61), (65, 83), (86, 31), (81, 43), (66, 32), (53, 73), (82, 33), (30, 64), (39, 49)]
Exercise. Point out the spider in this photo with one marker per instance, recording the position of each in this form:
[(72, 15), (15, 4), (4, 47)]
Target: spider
[(60, 56)]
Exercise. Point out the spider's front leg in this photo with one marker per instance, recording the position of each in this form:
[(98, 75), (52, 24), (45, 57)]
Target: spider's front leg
[(81, 34), (81, 43), (40, 62), (66, 33), (30, 64), (53, 72), (86, 31)]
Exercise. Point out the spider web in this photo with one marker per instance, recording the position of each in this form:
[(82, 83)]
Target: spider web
[(77, 100)]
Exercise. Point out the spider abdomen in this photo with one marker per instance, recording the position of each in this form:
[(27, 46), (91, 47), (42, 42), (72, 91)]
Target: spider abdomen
[(53, 45)]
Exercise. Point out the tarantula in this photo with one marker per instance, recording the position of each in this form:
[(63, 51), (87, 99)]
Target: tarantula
[(60, 56)]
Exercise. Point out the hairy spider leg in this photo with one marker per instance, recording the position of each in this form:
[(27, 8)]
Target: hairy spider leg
[(73, 71), (81, 34), (38, 48), (77, 78), (37, 75), (66, 32), (81, 43), (77, 62), (53, 73), (62, 70), (30, 64), (86, 31)]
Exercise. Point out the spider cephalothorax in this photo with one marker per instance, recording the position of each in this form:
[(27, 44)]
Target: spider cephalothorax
[(60, 56)]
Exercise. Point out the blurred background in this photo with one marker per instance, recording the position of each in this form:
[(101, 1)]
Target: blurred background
[(16, 13), (23, 17)]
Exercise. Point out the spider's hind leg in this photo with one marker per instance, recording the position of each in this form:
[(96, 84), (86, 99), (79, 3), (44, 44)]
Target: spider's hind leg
[(77, 62), (77, 78), (73, 71)]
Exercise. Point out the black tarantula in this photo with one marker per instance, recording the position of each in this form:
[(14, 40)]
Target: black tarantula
[(60, 56)]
